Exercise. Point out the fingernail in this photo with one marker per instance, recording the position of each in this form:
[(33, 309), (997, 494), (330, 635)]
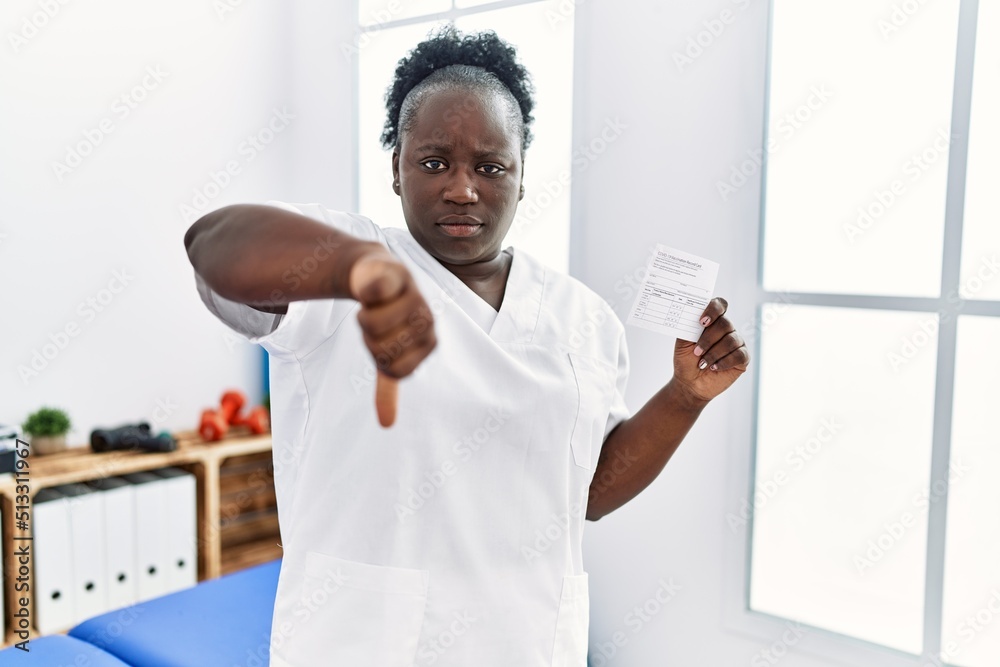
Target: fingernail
[(705, 320), (703, 364), (715, 367), (698, 351)]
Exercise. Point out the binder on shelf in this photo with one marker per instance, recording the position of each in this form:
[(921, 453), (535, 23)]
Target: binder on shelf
[(53, 563), (150, 534), (182, 527), (89, 553), (119, 539)]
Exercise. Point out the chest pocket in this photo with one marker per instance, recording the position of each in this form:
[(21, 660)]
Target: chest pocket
[(595, 384)]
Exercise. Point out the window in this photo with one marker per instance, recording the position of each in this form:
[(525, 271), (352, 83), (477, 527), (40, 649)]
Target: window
[(542, 32), (876, 453)]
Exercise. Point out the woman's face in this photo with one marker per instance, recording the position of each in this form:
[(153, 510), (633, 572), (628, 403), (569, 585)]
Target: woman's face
[(457, 172)]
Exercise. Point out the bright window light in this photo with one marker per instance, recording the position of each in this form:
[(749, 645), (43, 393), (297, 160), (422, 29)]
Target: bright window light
[(971, 619), (839, 510), (981, 231), (859, 125)]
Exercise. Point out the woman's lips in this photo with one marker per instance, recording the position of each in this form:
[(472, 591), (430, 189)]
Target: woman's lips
[(459, 229), (459, 225)]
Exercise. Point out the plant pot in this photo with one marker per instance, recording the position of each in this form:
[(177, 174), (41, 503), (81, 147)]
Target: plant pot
[(47, 444)]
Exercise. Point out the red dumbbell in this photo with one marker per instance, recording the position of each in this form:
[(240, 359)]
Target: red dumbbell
[(215, 423), (232, 402), (213, 426), (258, 420)]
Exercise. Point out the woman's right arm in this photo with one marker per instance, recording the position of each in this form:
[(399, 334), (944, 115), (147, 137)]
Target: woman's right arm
[(267, 257)]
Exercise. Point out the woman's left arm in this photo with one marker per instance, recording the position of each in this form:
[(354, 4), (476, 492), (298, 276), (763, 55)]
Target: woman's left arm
[(636, 451)]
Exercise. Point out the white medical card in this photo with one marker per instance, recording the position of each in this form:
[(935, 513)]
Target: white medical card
[(674, 294)]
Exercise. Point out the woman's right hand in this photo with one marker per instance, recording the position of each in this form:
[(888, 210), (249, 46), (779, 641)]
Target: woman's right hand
[(396, 322)]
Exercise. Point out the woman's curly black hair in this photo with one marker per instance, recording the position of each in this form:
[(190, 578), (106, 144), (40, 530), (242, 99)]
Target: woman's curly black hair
[(490, 63)]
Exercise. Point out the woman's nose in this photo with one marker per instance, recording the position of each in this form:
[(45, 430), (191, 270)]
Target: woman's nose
[(461, 188)]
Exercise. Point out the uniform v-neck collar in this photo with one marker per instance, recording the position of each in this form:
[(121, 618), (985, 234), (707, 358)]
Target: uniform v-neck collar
[(522, 300)]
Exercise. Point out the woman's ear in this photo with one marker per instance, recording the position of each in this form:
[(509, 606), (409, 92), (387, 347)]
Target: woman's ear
[(395, 170), (521, 196)]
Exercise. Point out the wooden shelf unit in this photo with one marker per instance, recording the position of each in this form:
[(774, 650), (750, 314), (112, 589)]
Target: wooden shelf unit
[(237, 469)]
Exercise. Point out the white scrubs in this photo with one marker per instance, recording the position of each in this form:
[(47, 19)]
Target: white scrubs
[(454, 537)]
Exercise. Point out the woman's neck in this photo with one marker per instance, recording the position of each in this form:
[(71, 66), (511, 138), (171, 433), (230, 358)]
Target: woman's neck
[(487, 278)]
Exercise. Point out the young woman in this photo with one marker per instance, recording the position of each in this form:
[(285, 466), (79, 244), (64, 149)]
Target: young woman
[(452, 537)]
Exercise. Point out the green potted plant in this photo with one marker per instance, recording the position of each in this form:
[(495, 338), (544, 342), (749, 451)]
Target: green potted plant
[(48, 428)]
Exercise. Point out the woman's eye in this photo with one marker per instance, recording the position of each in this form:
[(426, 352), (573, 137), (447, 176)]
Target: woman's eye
[(491, 169), (433, 165)]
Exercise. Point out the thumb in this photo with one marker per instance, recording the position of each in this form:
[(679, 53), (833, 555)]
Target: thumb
[(681, 345), (386, 393), (374, 280)]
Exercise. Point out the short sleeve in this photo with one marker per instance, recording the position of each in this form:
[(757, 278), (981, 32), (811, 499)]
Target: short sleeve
[(241, 318), (619, 410), (278, 333)]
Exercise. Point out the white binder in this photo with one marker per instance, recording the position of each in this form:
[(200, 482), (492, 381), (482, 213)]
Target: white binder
[(88, 549), (119, 538), (150, 534), (182, 528), (53, 564)]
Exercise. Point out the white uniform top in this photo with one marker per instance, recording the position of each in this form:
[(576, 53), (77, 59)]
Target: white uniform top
[(454, 537)]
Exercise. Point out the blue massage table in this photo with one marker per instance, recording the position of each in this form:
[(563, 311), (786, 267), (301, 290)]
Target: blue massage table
[(220, 622)]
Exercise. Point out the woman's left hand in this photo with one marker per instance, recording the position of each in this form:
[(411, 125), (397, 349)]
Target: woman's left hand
[(720, 356)]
